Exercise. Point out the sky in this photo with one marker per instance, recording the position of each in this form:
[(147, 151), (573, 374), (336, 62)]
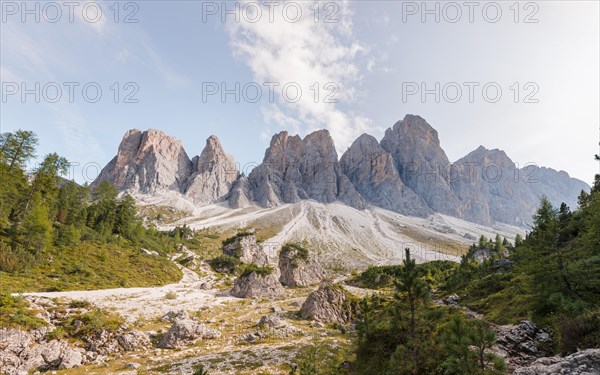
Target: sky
[(519, 76)]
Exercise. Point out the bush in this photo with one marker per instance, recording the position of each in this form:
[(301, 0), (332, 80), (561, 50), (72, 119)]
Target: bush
[(13, 261), (15, 312), (225, 264), (87, 324), (78, 304), (171, 295), (301, 253), (581, 332), (260, 271), (239, 235)]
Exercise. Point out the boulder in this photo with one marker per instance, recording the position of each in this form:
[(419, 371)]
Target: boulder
[(134, 340), (331, 303), (276, 326), (523, 343), (585, 362), (256, 285), (185, 332), (298, 268), (172, 316), (244, 247), (70, 358)]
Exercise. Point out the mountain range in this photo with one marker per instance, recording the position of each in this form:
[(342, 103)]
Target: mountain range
[(406, 172)]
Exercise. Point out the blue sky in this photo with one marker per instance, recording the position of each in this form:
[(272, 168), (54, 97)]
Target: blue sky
[(374, 52)]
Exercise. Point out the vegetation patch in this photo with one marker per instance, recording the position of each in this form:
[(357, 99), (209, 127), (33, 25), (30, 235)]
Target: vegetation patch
[(15, 312), (300, 253), (225, 264), (260, 271)]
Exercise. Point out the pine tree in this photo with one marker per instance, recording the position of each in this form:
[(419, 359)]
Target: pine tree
[(456, 341), (416, 292), (17, 148), (37, 228)]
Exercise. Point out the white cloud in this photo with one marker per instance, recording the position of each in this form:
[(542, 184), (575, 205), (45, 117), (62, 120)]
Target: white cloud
[(305, 52)]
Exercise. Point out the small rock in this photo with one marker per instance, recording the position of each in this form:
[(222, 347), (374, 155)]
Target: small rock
[(132, 365)]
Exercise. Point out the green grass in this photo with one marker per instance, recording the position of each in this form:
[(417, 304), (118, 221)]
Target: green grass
[(89, 266), (260, 271), (301, 252), (501, 298), (16, 313)]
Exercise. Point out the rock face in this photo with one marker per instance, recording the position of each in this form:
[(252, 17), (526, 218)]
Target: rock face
[(294, 169), (244, 247), (255, 285), (422, 163), (240, 195), (521, 344), (20, 353), (185, 332), (213, 174), (276, 326), (146, 162), (150, 161), (407, 172), (585, 362), (329, 304), (298, 268), (373, 173)]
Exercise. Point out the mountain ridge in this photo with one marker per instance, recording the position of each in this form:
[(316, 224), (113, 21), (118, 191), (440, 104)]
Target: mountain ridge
[(407, 172)]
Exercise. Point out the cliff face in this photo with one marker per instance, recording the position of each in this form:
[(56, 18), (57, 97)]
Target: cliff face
[(294, 169), (213, 174), (149, 162), (407, 172), (374, 175), (422, 163), (146, 162)]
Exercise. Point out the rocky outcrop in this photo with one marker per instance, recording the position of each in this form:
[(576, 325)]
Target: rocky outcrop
[(151, 161), (298, 267), (372, 172), (147, 162), (20, 353), (331, 304), (134, 340), (213, 174), (486, 184), (272, 325), (407, 172), (275, 326), (240, 195), (294, 169), (184, 332), (422, 163), (523, 343), (244, 247), (256, 285), (585, 362)]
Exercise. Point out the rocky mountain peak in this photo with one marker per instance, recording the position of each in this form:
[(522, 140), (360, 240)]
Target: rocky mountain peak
[(214, 173), (422, 163), (147, 161), (294, 169), (373, 173)]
